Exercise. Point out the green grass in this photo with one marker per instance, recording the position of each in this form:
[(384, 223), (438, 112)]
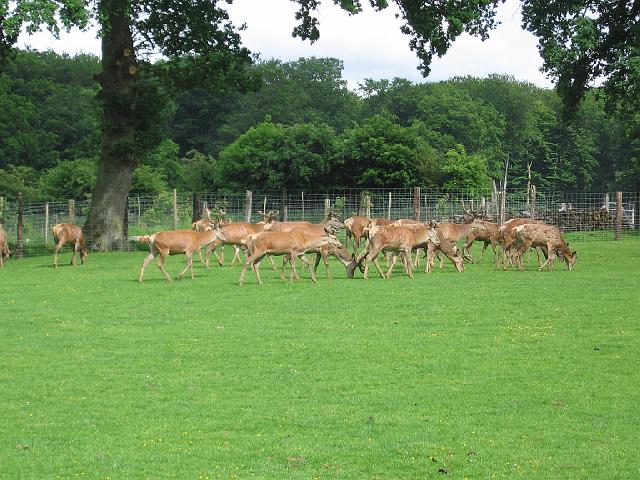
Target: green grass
[(486, 374)]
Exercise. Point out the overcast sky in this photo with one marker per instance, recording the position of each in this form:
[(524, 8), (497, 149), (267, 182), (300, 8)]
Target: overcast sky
[(370, 43)]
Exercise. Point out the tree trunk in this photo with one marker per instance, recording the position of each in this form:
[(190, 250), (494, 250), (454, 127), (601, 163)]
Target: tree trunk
[(104, 228)]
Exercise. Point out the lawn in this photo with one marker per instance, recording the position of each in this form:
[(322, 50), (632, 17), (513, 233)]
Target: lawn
[(480, 375)]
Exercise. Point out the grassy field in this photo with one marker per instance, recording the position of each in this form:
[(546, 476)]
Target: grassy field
[(486, 374)]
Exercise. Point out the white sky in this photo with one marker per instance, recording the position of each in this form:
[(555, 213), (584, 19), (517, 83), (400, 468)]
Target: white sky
[(370, 43)]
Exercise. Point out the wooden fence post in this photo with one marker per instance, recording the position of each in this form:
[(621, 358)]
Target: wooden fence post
[(533, 201), (139, 211), (46, 222), (72, 211), (248, 204), (302, 198), (327, 206), (175, 209), (416, 203), (619, 212), (389, 207), (367, 204), (20, 229), (283, 211)]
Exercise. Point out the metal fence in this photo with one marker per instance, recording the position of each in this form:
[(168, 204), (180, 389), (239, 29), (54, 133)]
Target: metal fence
[(582, 216)]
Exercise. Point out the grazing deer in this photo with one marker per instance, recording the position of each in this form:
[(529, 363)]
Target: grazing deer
[(69, 233), (293, 243), (175, 242), (330, 226), (448, 248), (4, 247), (546, 236), (506, 237)]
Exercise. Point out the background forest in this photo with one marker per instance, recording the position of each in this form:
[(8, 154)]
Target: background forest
[(297, 124)]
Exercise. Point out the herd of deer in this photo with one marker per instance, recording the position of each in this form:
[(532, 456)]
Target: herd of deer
[(292, 240)]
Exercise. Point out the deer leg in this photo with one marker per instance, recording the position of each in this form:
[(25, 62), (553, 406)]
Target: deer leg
[(374, 259), (407, 261), (146, 262), (251, 261), (189, 264), (57, 248), (161, 260), (285, 259), (220, 258), (304, 260), (391, 264)]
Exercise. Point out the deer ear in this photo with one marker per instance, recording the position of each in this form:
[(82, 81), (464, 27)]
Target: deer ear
[(575, 254)]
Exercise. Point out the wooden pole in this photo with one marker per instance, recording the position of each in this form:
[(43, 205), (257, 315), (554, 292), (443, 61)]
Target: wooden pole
[(619, 215), (175, 209), (302, 197), (327, 206), (283, 211), (416, 203), (248, 205), (139, 211), (264, 206), (72, 211), (503, 197), (125, 222), (20, 229), (533, 201), (389, 207), (46, 222), (367, 203)]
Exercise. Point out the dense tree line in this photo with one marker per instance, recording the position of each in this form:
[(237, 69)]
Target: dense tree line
[(297, 124)]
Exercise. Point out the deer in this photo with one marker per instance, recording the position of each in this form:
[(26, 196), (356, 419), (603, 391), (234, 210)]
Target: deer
[(293, 243), (506, 237), (485, 232), (330, 226), (448, 248), (203, 225), (356, 228), (4, 247), (236, 234), (69, 233), (173, 242), (547, 237), (401, 240)]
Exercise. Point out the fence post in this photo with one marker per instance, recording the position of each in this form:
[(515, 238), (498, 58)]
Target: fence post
[(196, 211), (139, 211), (72, 211), (367, 204), (46, 222), (389, 208), (416, 203), (264, 206), (533, 202), (302, 198), (19, 243), (327, 206), (175, 209), (494, 197), (283, 213), (606, 203), (618, 215), (248, 204)]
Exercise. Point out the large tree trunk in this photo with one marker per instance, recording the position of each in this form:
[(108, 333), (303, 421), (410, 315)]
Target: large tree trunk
[(104, 226)]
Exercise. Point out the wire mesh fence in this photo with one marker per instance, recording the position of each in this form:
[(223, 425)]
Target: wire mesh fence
[(582, 216)]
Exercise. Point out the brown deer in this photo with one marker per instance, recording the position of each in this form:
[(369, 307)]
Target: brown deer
[(546, 236), (398, 239), (69, 233), (4, 247), (506, 237), (356, 228), (485, 232), (204, 225), (448, 248), (236, 234), (330, 226), (173, 242), (293, 243)]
